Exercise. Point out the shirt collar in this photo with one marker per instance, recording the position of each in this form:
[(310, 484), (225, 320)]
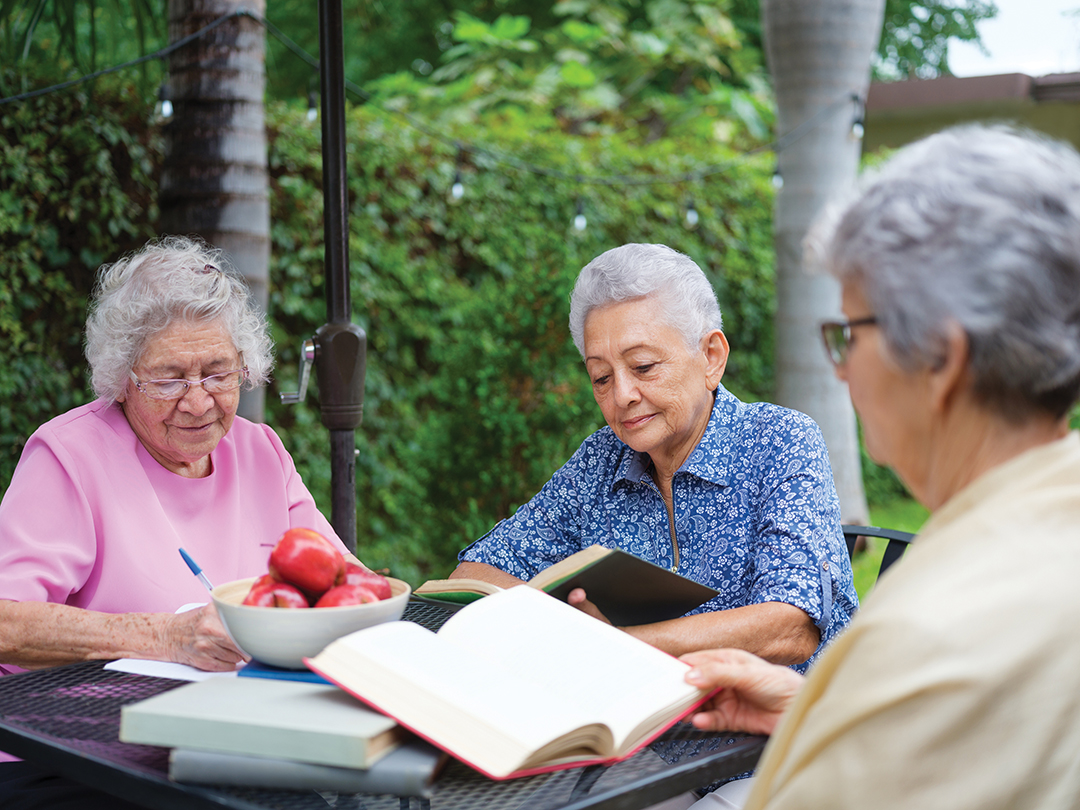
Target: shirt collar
[(711, 458)]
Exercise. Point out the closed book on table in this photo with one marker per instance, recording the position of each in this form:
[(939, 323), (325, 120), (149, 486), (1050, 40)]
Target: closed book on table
[(408, 770), (516, 683), (263, 717), (626, 589)]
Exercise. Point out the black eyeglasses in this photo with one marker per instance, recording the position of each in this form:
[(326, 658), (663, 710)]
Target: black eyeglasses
[(837, 337)]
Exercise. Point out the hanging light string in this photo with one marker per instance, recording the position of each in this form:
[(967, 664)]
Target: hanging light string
[(499, 158)]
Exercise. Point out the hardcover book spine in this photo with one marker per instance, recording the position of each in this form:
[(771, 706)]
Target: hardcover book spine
[(407, 771)]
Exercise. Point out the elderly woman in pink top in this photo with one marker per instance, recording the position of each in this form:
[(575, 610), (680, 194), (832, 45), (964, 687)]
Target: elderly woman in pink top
[(105, 494)]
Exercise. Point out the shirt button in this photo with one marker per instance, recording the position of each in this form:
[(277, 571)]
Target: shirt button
[(825, 566)]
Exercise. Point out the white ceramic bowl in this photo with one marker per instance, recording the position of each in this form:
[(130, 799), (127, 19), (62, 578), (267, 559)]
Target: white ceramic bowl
[(283, 637)]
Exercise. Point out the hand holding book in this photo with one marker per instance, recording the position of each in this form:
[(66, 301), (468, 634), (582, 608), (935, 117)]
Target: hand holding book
[(625, 589), (756, 694)]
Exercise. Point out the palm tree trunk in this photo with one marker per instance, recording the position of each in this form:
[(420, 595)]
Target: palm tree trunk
[(819, 54), (214, 180)]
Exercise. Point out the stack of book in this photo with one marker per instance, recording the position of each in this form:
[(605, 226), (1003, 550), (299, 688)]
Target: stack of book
[(276, 733)]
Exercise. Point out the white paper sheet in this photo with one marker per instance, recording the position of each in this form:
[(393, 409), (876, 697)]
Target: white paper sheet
[(165, 669)]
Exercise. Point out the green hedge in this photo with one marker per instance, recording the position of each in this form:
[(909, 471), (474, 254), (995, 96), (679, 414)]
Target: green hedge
[(78, 184), (474, 392)]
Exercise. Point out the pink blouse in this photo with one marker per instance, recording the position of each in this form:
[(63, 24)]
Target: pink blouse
[(92, 520)]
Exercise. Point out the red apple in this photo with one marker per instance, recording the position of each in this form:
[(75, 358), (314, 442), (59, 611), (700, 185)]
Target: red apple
[(346, 595), (359, 575), (306, 559), (268, 592)]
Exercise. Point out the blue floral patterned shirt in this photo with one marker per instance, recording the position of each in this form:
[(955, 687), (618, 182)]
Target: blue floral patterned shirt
[(756, 514)]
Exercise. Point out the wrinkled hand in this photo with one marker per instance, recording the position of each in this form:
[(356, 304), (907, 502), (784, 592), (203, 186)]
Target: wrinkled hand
[(754, 693), (198, 638), (577, 598)]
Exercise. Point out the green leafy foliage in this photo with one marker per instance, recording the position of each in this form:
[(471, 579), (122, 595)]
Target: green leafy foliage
[(77, 187), (380, 38), (611, 66), (54, 40)]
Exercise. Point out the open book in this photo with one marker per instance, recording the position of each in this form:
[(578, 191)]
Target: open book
[(516, 683), (626, 589)]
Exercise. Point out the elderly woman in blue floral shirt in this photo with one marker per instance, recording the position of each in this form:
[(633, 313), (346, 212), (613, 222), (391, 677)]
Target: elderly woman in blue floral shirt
[(734, 495)]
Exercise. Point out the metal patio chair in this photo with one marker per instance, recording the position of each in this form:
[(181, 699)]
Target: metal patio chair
[(898, 542)]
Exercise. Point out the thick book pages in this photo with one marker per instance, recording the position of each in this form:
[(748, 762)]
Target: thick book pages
[(460, 591), (409, 770), (516, 683), (626, 589), (307, 722)]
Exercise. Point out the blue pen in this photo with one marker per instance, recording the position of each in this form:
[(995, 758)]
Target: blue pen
[(194, 566)]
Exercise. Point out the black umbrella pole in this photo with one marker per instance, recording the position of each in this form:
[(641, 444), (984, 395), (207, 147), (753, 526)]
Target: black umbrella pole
[(335, 187), (342, 345), (343, 485)]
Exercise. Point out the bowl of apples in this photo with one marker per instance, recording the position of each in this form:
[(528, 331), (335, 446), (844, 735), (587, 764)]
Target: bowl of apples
[(310, 596)]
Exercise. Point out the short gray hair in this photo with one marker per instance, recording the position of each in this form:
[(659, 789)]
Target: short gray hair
[(174, 278), (977, 226), (636, 271)]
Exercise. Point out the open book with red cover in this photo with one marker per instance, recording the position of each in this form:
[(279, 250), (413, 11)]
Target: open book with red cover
[(516, 683)]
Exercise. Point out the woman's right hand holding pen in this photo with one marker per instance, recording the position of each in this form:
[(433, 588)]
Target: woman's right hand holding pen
[(199, 639)]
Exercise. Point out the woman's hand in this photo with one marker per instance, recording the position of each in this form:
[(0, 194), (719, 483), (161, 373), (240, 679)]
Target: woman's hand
[(577, 598), (754, 694), (44, 634), (198, 638)]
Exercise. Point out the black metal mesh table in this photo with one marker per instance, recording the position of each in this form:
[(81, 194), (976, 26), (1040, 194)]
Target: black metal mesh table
[(67, 719)]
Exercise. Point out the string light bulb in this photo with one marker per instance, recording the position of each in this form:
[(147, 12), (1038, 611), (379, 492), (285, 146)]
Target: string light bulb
[(691, 214), (777, 179), (858, 124), (165, 105), (457, 190), (312, 106), (580, 223)]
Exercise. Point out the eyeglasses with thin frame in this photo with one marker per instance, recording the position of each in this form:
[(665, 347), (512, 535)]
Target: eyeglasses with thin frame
[(837, 337), (221, 383)]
